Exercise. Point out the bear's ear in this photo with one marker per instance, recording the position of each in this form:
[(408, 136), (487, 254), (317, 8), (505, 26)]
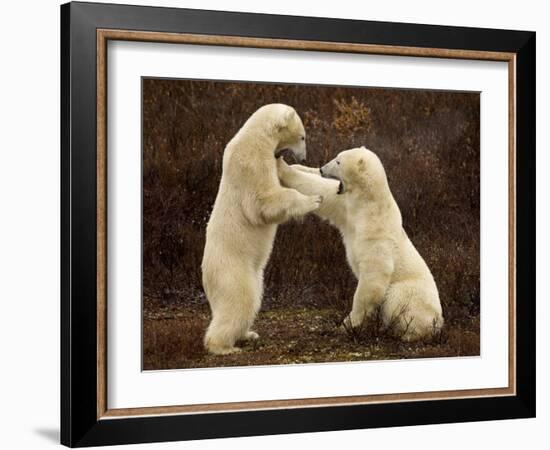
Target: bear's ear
[(285, 118), (289, 115)]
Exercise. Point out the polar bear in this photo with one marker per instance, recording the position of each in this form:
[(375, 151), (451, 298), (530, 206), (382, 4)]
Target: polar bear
[(390, 271), (241, 230)]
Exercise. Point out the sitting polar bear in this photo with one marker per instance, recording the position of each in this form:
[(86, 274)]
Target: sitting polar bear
[(391, 272), (240, 233)]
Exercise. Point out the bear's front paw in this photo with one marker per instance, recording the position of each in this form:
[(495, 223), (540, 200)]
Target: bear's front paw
[(345, 327), (350, 323), (312, 203), (282, 166)]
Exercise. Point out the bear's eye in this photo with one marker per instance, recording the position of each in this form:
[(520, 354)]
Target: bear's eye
[(338, 162), (303, 138)]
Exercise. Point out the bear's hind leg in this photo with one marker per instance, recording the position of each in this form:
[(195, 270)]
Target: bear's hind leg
[(256, 294), (408, 312), (232, 317), (220, 338), (368, 295)]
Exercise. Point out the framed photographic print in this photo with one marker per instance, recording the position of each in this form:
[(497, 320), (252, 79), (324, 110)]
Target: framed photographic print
[(276, 224)]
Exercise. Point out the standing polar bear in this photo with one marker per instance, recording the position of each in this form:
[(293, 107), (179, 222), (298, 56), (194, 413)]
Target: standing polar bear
[(390, 271), (241, 230)]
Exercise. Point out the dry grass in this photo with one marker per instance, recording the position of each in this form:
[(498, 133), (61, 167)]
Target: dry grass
[(292, 336), (428, 142), (172, 342)]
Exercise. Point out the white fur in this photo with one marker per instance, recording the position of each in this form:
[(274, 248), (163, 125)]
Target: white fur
[(389, 269), (240, 233)]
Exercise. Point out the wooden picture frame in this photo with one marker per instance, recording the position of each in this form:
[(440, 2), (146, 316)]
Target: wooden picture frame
[(86, 418)]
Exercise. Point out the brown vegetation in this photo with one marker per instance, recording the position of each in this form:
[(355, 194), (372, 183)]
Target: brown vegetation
[(428, 142)]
